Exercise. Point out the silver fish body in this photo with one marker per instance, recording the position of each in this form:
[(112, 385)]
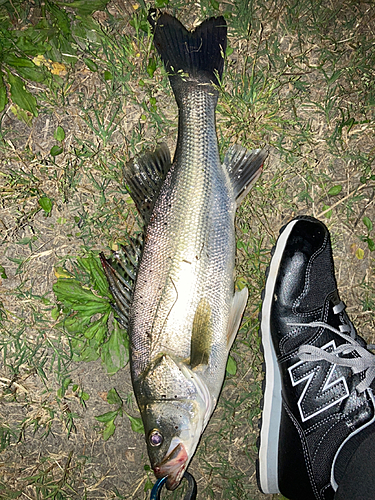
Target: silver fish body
[(184, 314), (189, 249)]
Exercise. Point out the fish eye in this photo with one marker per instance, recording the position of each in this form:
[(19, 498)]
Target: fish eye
[(155, 438)]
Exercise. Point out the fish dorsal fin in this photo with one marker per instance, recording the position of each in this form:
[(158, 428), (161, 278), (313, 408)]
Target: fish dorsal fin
[(144, 176), (235, 315), (120, 272), (201, 337), (244, 167)]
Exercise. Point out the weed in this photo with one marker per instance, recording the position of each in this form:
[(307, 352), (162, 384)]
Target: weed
[(89, 337)]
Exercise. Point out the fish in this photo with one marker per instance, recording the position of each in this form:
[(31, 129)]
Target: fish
[(176, 293)]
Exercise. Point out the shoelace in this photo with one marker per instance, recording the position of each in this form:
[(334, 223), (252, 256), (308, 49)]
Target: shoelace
[(363, 360)]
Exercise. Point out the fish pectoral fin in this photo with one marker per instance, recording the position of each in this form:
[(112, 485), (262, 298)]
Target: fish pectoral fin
[(244, 167), (144, 176), (235, 315), (201, 337)]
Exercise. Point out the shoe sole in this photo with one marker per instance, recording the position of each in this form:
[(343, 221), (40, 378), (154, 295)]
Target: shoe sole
[(268, 444)]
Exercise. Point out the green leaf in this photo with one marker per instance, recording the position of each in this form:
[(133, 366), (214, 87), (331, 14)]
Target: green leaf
[(65, 384), (335, 190), (84, 7), (75, 323), (215, 4), (30, 43), (91, 64), (77, 347), (231, 365), (56, 150), (59, 134), (109, 430), (35, 74), (3, 93), (72, 293), (107, 75), (101, 334), (55, 313), (327, 214), (367, 222), (46, 204), (60, 17), (18, 62), (115, 352), (89, 352), (92, 265), (61, 272), (370, 243), (90, 308), (20, 96), (92, 330), (3, 273), (26, 240), (84, 396), (161, 3), (136, 424), (68, 52), (107, 417), (151, 67), (113, 398), (21, 114), (148, 485)]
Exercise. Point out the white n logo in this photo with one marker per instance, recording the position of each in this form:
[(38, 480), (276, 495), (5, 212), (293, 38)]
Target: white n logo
[(322, 387)]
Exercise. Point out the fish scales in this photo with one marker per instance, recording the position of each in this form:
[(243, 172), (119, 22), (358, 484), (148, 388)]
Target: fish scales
[(184, 312), (189, 247)]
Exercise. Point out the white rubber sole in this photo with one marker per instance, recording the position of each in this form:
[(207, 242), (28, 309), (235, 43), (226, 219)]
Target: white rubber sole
[(271, 414)]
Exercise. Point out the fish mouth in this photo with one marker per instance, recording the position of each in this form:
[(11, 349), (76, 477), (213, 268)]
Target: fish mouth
[(173, 466)]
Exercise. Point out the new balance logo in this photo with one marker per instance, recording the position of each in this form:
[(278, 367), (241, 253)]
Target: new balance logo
[(323, 388)]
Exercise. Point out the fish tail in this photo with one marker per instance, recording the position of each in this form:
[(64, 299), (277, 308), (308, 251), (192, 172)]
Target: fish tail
[(190, 55)]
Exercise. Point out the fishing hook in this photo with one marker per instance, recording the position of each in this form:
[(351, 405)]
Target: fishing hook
[(191, 494)]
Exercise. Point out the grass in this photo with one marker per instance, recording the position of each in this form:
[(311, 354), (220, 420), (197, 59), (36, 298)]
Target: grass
[(299, 77)]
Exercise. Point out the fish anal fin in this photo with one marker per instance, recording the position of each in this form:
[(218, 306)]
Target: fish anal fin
[(144, 176), (201, 338), (235, 315), (243, 167)]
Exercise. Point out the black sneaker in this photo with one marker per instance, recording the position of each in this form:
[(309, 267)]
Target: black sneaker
[(318, 394)]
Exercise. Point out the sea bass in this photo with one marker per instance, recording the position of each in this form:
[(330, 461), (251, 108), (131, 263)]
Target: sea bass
[(181, 311)]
